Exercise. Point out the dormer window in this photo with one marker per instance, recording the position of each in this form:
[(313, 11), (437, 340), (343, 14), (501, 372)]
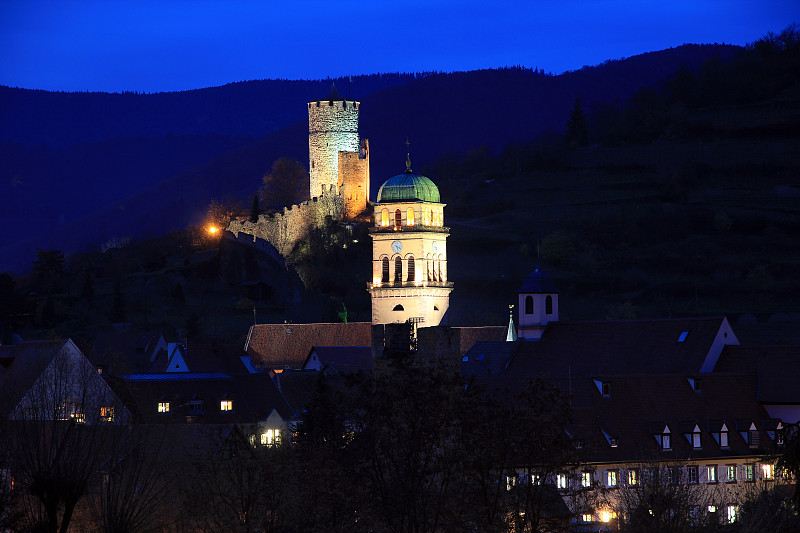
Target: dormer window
[(163, 407), (719, 430), (606, 389), (692, 433), (226, 405), (196, 406), (664, 438)]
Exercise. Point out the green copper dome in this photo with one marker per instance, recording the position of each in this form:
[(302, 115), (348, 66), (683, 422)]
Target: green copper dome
[(408, 188)]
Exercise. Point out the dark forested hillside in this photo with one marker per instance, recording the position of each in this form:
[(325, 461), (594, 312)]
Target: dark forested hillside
[(80, 168)]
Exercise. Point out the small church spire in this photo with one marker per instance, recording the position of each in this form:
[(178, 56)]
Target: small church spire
[(408, 156), (511, 335)]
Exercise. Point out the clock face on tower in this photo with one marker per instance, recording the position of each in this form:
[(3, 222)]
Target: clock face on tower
[(397, 247)]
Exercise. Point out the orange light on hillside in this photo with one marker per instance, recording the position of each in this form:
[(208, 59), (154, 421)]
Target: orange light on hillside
[(212, 230)]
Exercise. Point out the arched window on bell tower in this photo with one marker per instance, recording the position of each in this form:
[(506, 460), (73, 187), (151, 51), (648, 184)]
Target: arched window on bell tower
[(398, 271), (398, 219), (385, 217), (410, 217), (385, 270), (548, 305), (529, 305), (411, 273)]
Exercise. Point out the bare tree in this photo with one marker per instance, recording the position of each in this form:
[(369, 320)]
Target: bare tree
[(60, 430), (137, 476), (240, 489), (286, 184), (661, 499)]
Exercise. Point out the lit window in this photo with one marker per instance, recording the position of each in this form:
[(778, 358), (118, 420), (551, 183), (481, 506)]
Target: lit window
[(410, 217), (587, 517), (768, 471), (712, 508), (712, 474), (271, 437), (163, 407), (749, 473), (611, 478), (226, 405), (106, 414), (732, 513), (385, 217), (510, 482), (586, 479), (71, 411), (730, 473), (561, 481), (633, 477)]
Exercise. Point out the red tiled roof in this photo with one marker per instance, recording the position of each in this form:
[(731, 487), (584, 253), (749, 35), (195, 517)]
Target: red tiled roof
[(279, 346)]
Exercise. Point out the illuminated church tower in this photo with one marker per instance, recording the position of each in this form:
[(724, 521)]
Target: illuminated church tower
[(409, 252)]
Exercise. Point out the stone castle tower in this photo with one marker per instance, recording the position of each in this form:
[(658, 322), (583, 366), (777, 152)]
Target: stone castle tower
[(409, 253), (336, 156)]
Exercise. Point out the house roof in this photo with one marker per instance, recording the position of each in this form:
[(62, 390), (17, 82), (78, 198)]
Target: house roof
[(254, 396), (279, 346), (226, 358), (638, 406), (777, 368), (614, 347), (471, 335), (23, 363), (123, 353), (343, 359), (488, 358)]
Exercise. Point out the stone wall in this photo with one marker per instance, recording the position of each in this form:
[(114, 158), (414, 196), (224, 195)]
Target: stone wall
[(332, 128), (284, 230), (354, 180)]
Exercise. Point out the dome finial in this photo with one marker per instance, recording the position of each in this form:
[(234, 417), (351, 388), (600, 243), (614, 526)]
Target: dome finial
[(408, 156)]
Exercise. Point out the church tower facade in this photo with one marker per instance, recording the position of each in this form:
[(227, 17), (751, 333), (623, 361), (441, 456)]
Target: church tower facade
[(409, 253), (332, 128), (537, 304)]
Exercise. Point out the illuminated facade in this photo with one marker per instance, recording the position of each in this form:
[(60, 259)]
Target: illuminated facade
[(337, 160), (409, 253)]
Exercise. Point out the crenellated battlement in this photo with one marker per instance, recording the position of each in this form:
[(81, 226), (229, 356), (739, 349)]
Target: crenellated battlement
[(288, 227)]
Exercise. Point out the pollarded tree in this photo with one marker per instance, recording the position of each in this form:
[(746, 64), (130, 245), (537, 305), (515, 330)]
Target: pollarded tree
[(61, 429)]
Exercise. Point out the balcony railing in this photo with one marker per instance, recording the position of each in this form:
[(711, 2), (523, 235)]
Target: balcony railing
[(409, 284), (416, 227)]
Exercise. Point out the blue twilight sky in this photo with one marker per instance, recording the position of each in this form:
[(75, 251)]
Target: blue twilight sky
[(164, 45)]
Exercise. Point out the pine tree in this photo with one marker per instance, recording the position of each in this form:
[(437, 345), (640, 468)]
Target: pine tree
[(577, 134), (255, 210)]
